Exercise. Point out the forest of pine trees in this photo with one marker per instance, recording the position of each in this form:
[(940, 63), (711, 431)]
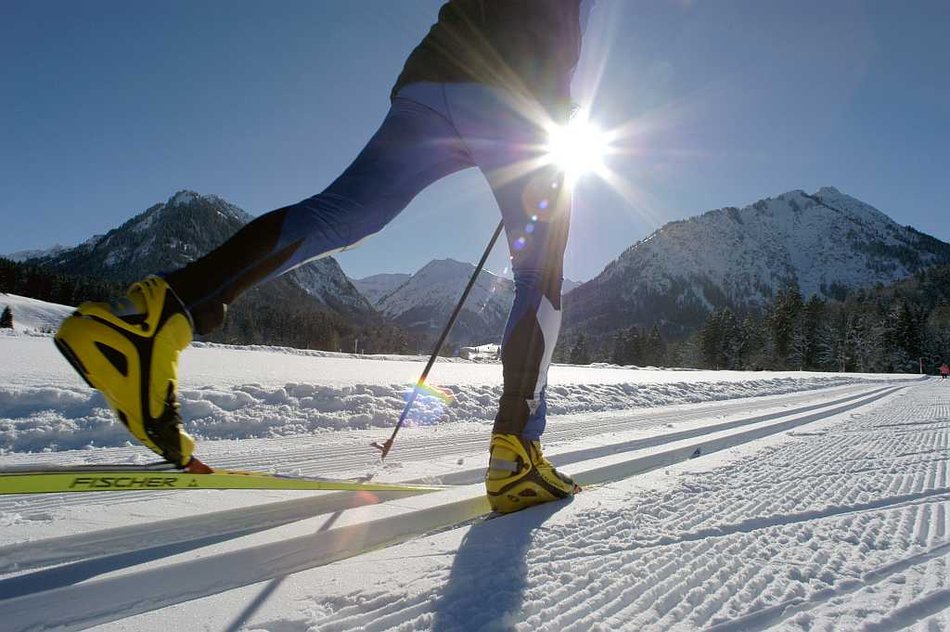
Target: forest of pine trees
[(896, 328), (893, 329), (38, 283)]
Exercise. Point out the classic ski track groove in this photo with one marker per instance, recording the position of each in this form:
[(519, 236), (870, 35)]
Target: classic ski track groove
[(70, 548), (81, 603), (883, 536)]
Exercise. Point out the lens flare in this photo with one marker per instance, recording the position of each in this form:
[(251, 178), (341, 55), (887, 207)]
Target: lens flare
[(578, 147), (429, 406)]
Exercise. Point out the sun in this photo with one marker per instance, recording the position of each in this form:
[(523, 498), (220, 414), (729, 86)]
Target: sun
[(577, 148)]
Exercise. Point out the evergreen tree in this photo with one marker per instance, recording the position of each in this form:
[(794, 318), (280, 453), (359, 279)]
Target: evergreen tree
[(803, 346), (782, 322), (752, 345), (580, 354), (866, 339), (710, 341), (812, 317), (905, 327), (617, 352), (627, 347), (6, 318), (936, 338), (655, 348), (881, 329), (719, 340)]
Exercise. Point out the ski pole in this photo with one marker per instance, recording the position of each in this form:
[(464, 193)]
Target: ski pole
[(386, 446)]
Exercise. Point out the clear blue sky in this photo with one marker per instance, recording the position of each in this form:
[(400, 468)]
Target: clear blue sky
[(107, 107)]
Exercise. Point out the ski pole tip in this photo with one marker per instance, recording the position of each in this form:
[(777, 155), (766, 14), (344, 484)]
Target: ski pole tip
[(383, 447)]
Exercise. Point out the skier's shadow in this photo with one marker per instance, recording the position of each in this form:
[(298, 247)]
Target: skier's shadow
[(487, 582)]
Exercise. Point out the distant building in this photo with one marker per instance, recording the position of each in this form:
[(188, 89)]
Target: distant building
[(483, 352)]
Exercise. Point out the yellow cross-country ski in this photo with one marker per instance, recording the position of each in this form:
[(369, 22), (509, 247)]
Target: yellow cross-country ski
[(114, 478)]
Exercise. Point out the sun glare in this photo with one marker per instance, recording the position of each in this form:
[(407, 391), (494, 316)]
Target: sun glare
[(578, 147)]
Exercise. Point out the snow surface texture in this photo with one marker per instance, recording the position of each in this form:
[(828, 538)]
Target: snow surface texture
[(841, 528), (835, 520), (235, 393), (32, 316)]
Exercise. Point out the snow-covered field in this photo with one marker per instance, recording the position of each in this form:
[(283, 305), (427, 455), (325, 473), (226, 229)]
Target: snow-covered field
[(31, 315), (811, 502), (237, 393)]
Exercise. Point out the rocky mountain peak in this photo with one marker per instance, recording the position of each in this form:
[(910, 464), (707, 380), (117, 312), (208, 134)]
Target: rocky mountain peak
[(738, 258), (171, 234)]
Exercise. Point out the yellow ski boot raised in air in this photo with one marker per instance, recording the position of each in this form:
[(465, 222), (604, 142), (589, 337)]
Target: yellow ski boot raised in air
[(519, 476), (129, 352)]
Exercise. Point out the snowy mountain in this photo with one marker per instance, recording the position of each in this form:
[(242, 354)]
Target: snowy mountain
[(325, 281), (825, 242), (163, 238), (23, 255), (422, 304), (171, 234), (377, 286), (567, 285)]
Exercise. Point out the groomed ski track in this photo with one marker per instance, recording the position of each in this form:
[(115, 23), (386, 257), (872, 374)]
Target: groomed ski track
[(606, 431), (103, 576)]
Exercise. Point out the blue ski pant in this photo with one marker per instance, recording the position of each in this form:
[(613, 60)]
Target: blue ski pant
[(430, 131)]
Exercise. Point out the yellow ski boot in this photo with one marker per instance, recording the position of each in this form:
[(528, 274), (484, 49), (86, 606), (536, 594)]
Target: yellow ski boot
[(129, 352), (519, 476)]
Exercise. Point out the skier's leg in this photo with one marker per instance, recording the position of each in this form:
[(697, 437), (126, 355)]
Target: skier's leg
[(506, 142), (129, 351), (414, 147), (536, 208)]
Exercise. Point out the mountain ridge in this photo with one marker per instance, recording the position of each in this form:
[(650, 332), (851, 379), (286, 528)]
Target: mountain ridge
[(423, 303), (824, 243), (169, 235)]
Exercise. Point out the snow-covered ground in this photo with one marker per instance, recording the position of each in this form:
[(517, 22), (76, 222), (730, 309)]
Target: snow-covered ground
[(812, 502), (236, 393), (33, 316)]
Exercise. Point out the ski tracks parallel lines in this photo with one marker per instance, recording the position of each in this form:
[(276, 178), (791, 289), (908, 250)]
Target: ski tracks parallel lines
[(125, 539), (863, 547), (117, 597)]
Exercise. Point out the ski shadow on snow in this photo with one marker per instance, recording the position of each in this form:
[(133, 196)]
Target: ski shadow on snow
[(486, 585)]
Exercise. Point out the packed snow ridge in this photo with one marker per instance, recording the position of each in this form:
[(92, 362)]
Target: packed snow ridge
[(235, 393)]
